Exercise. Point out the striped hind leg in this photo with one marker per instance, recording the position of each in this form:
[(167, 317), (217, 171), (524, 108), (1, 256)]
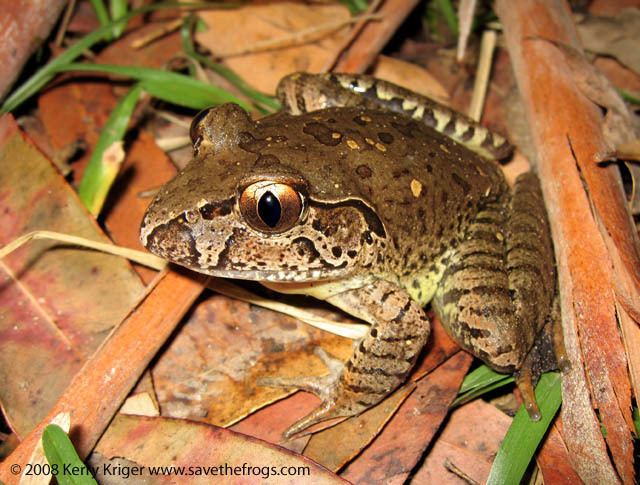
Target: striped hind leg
[(496, 293)]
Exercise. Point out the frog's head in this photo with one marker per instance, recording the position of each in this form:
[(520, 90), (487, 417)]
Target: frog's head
[(245, 208)]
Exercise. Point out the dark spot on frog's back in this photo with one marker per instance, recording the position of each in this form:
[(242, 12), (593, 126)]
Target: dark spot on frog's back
[(464, 185), (407, 129), (361, 120), (385, 137), (322, 133), (364, 171), (249, 143)]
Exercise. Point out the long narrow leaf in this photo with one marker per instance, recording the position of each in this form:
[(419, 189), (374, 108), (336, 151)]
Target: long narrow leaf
[(481, 390), (524, 435), (102, 170), (118, 9), (62, 457), (101, 12), (46, 73), (480, 377), (166, 85)]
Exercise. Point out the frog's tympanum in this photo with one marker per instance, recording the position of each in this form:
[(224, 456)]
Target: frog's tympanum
[(377, 201)]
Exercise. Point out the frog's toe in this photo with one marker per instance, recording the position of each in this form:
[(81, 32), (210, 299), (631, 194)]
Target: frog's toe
[(524, 381), (321, 386)]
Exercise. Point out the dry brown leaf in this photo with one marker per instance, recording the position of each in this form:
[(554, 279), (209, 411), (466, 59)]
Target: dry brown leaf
[(152, 442), (553, 459), (224, 348), (619, 126), (470, 440), (410, 76), (57, 305), (241, 28), (617, 36)]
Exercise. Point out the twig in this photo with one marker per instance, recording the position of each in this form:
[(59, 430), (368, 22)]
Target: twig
[(355, 31), (466, 10), (157, 33), (374, 36), (297, 38), (487, 47), (71, 5)]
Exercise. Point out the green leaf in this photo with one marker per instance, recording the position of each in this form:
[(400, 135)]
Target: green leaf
[(480, 377), (62, 457), (636, 421), (118, 9), (478, 382), (101, 172), (46, 73), (524, 435), (448, 12), (101, 12), (166, 85), (629, 97)]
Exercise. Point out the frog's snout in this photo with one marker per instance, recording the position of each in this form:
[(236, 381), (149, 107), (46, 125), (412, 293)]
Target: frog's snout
[(172, 240)]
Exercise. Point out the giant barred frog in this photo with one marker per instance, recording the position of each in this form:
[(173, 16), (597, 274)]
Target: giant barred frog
[(363, 194)]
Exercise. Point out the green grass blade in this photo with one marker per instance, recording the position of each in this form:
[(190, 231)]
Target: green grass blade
[(629, 97), (46, 73), (101, 12), (118, 9), (480, 377), (265, 103), (62, 457), (481, 390), (524, 436), (100, 172), (449, 14), (166, 85)]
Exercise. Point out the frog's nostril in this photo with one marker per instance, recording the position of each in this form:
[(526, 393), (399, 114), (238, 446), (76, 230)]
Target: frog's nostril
[(191, 217)]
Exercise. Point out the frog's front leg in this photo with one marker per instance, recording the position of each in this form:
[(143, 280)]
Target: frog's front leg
[(381, 361), (496, 294)]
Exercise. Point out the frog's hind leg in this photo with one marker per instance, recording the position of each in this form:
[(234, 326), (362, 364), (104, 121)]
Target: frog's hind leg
[(532, 281), (381, 361), (496, 293)]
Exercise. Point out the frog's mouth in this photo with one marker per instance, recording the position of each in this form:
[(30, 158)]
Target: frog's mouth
[(239, 257)]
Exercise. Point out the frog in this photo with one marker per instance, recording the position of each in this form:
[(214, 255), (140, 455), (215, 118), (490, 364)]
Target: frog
[(378, 201)]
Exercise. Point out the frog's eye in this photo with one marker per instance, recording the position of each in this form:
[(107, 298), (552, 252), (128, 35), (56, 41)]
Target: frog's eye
[(270, 207), (195, 131)]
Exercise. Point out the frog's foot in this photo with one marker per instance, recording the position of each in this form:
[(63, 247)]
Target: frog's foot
[(334, 404)]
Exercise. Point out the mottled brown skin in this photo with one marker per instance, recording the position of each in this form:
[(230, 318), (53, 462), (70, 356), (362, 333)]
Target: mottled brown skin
[(386, 215)]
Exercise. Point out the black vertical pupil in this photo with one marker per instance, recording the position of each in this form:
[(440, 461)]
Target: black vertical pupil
[(269, 209)]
